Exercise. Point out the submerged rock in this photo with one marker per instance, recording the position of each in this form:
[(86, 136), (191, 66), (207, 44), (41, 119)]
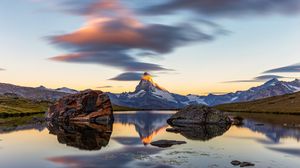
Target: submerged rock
[(85, 136), (198, 114), (235, 163), (246, 164), (86, 106), (167, 143), (241, 164)]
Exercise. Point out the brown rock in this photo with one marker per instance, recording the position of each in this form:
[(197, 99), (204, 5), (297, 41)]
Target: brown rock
[(86, 106)]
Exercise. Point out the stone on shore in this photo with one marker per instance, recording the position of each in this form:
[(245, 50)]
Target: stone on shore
[(86, 106)]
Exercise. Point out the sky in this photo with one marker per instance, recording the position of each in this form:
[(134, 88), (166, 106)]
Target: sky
[(198, 47)]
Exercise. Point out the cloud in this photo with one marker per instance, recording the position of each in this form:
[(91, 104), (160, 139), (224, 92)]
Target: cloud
[(128, 76), (262, 78), (113, 36), (2, 69), (104, 87), (286, 69), (228, 8)]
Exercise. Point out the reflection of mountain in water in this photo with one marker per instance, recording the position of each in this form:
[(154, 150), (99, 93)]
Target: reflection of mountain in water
[(273, 131), (86, 136), (12, 124), (147, 124)]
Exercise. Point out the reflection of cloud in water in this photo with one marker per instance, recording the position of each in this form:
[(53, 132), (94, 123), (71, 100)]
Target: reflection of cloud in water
[(126, 157), (272, 131), (260, 140), (290, 151), (147, 124)]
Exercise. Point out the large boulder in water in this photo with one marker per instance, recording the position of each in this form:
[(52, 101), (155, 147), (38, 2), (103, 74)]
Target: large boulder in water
[(198, 114), (199, 122), (86, 106)]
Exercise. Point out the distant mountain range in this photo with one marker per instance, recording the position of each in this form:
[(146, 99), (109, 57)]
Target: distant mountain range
[(286, 104), (149, 95), (34, 93)]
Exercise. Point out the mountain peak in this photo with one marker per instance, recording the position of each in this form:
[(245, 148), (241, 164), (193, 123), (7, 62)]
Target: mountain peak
[(147, 77), (148, 84), (272, 82)]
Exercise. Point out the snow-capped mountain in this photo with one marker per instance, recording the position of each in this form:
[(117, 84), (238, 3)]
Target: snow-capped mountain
[(66, 90), (35, 93), (149, 95), (271, 88)]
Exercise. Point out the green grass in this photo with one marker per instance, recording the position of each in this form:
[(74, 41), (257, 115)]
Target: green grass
[(17, 121), (123, 108), (285, 104), (11, 105)]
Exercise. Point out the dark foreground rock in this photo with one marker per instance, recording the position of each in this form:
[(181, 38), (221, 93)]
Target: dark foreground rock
[(86, 106), (246, 164), (167, 143), (84, 136), (241, 164), (235, 163), (198, 114), (199, 122)]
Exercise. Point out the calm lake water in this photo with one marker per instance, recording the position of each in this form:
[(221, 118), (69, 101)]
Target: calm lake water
[(266, 140)]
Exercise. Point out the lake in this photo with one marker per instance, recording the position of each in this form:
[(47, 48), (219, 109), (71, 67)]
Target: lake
[(265, 140)]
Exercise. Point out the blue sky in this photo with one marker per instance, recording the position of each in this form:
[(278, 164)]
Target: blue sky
[(195, 48)]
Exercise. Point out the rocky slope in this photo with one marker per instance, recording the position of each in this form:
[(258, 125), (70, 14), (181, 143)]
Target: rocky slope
[(289, 103), (15, 105), (34, 93)]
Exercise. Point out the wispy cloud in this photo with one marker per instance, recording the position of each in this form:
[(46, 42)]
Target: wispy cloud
[(286, 69), (228, 8), (2, 69), (262, 78), (113, 36), (104, 87), (128, 76)]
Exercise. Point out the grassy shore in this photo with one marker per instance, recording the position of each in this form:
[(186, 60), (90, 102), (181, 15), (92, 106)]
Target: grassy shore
[(19, 106), (285, 104)]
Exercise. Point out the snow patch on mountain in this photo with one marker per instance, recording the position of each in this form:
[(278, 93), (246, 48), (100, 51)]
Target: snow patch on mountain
[(164, 95)]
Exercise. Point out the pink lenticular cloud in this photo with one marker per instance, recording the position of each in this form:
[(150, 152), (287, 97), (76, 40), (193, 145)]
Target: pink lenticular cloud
[(112, 35)]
